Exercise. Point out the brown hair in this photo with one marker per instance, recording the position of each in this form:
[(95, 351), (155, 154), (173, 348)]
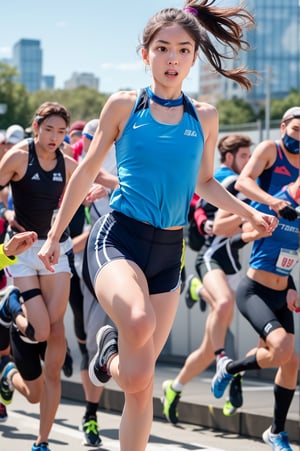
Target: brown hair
[(232, 143), (198, 18), (49, 109)]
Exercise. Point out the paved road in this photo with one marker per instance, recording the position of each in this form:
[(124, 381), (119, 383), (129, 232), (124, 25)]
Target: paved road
[(19, 432)]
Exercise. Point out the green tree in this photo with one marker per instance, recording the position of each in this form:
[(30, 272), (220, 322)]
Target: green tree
[(83, 103), (235, 111), (279, 106), (14, 96)]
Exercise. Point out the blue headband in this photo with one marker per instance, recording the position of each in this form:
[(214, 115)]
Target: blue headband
[(90, 137)]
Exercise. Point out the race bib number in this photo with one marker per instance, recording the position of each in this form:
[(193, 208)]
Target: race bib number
[(286, 261)]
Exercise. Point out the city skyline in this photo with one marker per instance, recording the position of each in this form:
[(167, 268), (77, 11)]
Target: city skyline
[(93, 39), (117, 65)]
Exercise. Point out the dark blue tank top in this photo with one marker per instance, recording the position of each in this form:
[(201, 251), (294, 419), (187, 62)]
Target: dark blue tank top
[(280, 174)]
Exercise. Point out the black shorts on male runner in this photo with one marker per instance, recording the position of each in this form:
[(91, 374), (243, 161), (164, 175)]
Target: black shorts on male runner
[(264, 308)]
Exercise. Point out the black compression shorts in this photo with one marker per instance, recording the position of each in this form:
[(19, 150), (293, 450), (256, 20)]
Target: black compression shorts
[(157, 252), (27, 356), (264, 308)]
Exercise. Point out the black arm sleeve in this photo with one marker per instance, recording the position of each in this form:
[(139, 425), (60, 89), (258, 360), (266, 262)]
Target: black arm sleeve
[(237, 242)]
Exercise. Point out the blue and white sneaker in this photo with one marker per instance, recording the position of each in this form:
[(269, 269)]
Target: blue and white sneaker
[(279, 442), (40, 447), (221, 379), (5, 316)]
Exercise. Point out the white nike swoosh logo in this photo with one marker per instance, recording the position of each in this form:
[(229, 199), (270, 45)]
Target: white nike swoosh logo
[(135, 126)]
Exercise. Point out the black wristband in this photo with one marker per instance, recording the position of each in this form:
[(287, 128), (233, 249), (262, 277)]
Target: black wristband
[(237, 241)]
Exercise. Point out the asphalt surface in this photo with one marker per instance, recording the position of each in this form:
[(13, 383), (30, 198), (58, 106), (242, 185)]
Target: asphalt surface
[(19, 432)]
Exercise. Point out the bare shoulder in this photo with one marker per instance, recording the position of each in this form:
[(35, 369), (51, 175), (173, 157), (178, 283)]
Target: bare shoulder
[(265, 150), (14, 162), (116, 112), (208, 116), (266, 146), (206, 111), (123, 100), (204, 107), (17, 152)]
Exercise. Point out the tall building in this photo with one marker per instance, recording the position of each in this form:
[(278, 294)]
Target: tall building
[(82, 79), (48, 82), (276, 44), (27, 58), (275, 54)]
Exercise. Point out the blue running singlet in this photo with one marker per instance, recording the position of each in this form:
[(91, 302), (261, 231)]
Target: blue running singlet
[(158, 165)]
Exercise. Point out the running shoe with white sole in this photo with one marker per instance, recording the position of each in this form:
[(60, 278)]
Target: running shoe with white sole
[(170, 401), (278, 442), (222, 378), (228, 409), (90, 430), (107, 343)]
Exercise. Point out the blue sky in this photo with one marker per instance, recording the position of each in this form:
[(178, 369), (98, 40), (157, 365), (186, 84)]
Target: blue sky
[(86, 37)]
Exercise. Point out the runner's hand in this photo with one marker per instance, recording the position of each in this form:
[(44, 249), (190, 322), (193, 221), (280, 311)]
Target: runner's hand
[(49, 254), (19, 243)]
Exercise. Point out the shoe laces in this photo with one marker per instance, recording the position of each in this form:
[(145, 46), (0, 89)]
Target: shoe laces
[(110, 349), (91, 426)]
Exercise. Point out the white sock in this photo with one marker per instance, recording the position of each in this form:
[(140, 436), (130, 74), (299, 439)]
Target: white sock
[(177, 386)]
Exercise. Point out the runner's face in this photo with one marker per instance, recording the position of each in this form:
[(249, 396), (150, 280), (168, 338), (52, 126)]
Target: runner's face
[(240, 159), (171, 55), (293, 129), (51, 132)]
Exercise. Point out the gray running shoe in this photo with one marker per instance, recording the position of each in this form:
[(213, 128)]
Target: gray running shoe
[(107, 342)]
